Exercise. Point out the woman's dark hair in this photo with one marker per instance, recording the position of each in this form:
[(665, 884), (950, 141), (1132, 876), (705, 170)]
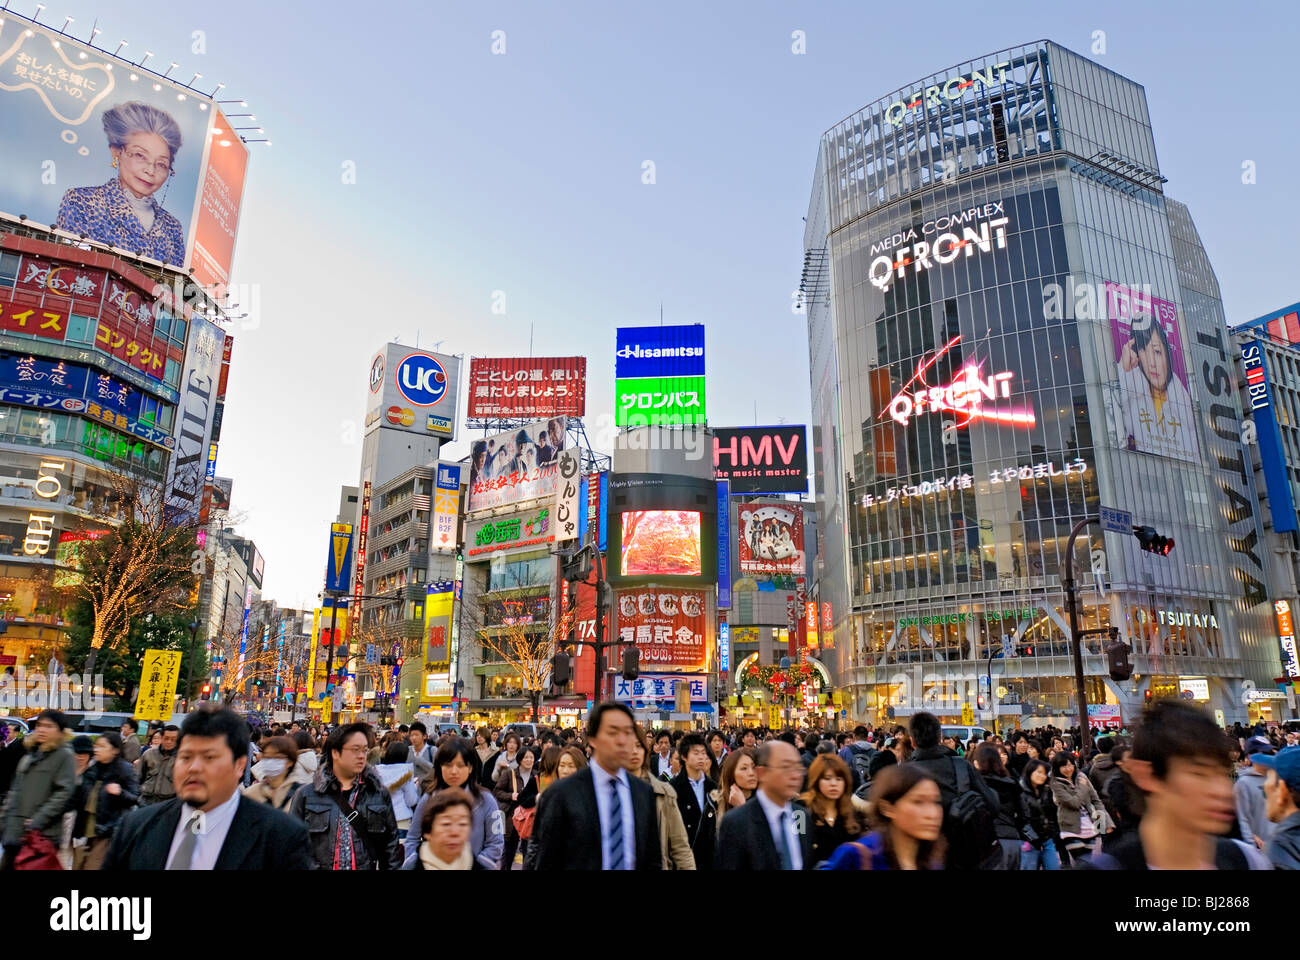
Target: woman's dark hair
[(576, 755), (1060, 760), (988, 760), (303, 741), (285, 747), (550, 757), (1142, 337), (646, 753), (519, 742), (817, 803), (396, 752), (446, 753), (1030, 767), (728, 775), (441, 802), (222, 722), (114, 740), (889, 786)]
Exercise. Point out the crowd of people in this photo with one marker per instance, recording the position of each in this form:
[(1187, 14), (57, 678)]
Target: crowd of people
[(1178, 793)]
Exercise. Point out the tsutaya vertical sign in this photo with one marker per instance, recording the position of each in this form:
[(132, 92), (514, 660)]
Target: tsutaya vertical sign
[(1286, 634), (40, 526), (363, 531)]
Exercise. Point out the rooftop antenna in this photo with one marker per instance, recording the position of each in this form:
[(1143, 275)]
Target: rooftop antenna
[(530, 339), (661, 313)]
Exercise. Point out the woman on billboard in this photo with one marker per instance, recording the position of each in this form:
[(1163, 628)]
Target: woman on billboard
[(1158, 414), (143, 141)]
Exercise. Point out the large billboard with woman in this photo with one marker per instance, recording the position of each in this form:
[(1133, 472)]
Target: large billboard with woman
[(1153, 410), (103, 150)]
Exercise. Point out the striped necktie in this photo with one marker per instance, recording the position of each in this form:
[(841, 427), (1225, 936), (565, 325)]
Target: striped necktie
[(617, 855)]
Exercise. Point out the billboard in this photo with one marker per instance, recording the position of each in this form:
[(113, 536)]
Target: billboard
[(222, 489), (659, 375), (517, 464), (498, 535), (567, 496), (770, 539), (194, 419), (437, 627), (338, 565), (519, 388), (93, 148), (413, 391), (1259, 397), (220, 198), (668, 625), (661, 543), (762, 459), (1152, 412), (1281, 326), (724, 545), (446, 506)]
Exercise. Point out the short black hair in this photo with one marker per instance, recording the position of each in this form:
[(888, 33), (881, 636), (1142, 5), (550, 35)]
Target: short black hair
[(660, 734), (692, 740), (598, 712), (222, 722), (811, 742), (924, 730), (419, 726), (786, 736), (171, 727), (1172, 729), (340, 735), (54, 716), (860, 732), (132, 723), (1105, 744)]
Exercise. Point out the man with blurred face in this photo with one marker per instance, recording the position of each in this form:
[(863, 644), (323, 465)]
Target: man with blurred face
[(208, 825), (769, 832)]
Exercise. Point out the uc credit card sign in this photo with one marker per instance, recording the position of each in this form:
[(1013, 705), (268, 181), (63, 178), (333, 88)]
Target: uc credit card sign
[(676, 351)]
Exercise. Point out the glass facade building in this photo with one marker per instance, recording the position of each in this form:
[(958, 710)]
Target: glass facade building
[(1007, 324)]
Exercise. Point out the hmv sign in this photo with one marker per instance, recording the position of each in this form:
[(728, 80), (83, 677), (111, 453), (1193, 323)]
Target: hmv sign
[(762, 459)]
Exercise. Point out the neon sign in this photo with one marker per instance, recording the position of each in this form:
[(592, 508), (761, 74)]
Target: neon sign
[(954, 88), (1286, 633), (944, 248), (965, 396), (1046, 470)]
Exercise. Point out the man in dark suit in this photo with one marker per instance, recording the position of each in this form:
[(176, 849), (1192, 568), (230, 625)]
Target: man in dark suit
[(209, 824), (769, 832), (600, 818), (699, 812)]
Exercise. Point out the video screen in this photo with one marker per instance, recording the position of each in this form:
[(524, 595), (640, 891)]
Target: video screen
[(661, 543)]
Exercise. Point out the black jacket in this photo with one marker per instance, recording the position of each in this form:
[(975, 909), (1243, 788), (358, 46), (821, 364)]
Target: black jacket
[(940, 764), (745, 840), (379, 847), (827, 838), (527, 791), (1128, 854), (259, 839), (1123, 802), (110, 809), (1037, 814), (568, 825), (701, 825), (1008, 819)]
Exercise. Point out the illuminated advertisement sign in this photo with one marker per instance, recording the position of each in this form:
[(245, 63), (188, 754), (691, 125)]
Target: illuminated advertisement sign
[(724, 545), (363, 538), (194, 418), (1153, 410), (1260, 398), (969, 396), (446, 506), (658, 688), (220, 198), (512, 388), (661, 543), (667, 625), (659, 375), (770, 539), (724, 646), (521, 463), (1286, 634), (414, 391), (1046, 470), (1194, 688), (896, 253), (338, 567), (437, 622), (951, 89), (496, 536), (761, 459)]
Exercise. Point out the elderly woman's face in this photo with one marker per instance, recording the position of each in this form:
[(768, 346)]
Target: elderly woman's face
[(144, 164)]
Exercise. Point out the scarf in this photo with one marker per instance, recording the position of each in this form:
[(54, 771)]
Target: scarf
[(430, 860), (345, 854)]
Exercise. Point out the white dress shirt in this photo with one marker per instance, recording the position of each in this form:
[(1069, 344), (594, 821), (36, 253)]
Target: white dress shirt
[(773, 812), (602, 779), (663, 765), (698, 787), (213, 827)]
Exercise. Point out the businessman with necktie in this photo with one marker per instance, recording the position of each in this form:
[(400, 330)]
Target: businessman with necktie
[(769, 832)]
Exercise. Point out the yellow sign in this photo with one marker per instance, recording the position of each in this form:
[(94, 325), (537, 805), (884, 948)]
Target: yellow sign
[(321, 620), (158, 678), (838, 698), (437, 631), (967, 715), (774, 719), (326, 706)]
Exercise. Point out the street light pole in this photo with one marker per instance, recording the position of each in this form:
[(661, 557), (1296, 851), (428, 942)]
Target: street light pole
[(1076, 638), (189, 667), (988, 674)]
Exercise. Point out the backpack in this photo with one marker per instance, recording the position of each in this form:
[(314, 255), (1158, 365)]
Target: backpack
[(862, 763), (968, 824)]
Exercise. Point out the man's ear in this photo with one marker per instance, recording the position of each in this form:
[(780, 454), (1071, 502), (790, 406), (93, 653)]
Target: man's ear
[(1141, 773)]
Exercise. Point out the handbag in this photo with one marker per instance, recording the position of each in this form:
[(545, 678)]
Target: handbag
[(522, 818), (37, 853)]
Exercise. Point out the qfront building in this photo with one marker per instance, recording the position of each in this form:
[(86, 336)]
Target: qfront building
[(1010, 327)]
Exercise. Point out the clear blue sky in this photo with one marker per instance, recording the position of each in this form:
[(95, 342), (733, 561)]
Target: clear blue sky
[(522, 173)]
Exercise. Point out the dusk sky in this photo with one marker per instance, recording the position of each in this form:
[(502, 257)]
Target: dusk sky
[(522, 173)]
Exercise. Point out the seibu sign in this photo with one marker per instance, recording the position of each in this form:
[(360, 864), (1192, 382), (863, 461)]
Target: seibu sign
[(910, 250), (761, 459)]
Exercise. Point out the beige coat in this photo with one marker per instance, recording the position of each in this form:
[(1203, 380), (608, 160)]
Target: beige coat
[(672, 831)]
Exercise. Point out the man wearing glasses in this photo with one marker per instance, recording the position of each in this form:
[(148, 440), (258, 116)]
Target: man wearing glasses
[(769, 832), (348, 812)]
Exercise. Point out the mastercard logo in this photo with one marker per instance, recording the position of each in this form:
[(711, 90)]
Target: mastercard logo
[(400, 416)]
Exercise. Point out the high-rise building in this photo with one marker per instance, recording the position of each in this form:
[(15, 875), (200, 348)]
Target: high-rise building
[(1010, 328)]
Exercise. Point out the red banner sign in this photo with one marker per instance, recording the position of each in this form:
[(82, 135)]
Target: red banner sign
[(508, 388), (667, 625)]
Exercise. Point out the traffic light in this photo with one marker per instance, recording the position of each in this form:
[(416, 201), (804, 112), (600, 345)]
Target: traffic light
[(979, 701), (631, 663), (1152, 542), (207, 689), (560, 669), (1117, 657), (577, 568), (399, 661)]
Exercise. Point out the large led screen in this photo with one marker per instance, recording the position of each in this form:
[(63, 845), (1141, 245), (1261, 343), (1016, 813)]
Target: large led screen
[(661, 543)]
